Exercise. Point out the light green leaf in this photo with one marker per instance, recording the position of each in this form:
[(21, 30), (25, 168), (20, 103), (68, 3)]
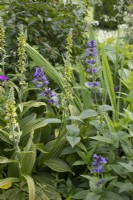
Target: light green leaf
[(126, 187), (74, 118), (127, 166), (6, 160), (103, 139), (27, 159), (108, 80), (80, 195), (31, 186), (93, 196), (88, 113), (104, 108), (73, 140), (130, 114), (73, 130), (79, 162), (111, 196), (52, 121)]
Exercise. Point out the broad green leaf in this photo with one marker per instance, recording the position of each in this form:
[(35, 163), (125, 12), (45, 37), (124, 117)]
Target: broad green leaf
[(74, 118), (73, 130), (111, 196), (88, 113), (80, 195), (57, 165), (104, 108), (126, 187), (40, 147), (30, 104), (127, 166), (108, 80), (27, 159), (73, 140), (92, 196), (31, 186), (103, 139), (52, 121)]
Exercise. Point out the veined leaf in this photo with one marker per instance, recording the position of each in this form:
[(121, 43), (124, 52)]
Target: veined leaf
[(88, 113), (102, 139), (57, 165), (127, 166), (73, 140), (27, 159), (31, 186), (52, 121), (92, 195), (108, 80)]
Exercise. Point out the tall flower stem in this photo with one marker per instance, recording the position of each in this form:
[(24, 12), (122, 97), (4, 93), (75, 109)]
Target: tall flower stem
[(12, 124), (2, 45)]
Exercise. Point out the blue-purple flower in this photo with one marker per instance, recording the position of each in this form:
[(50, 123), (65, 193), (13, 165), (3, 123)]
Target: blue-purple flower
[(92, 43), (3, 78), (91, 61), (100, 182), (93, 84), (41, 82), (98, 169), (50, 95), (92, 70), (98, 162), (39, 78)]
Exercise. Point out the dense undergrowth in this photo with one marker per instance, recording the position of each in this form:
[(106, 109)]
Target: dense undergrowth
[(66, 132)]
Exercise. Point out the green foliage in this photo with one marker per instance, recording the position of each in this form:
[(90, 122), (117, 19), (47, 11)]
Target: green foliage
[(47, 30), (48, 154), (107, 10)]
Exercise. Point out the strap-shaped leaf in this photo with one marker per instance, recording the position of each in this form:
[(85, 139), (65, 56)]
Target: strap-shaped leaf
[(31, 186), (108, 80)]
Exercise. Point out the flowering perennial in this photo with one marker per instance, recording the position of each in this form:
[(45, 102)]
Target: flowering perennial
[(41, 81), (98, 162), (92, 53), (3, 78)]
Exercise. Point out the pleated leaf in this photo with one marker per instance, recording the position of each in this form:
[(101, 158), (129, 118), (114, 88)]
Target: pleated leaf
[(57, 165), (108, 80), (31, 186)]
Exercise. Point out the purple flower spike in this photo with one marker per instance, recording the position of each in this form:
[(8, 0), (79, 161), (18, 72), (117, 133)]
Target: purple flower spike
[(92, 43), (39, 78), (98, 160), (100, 182), (93, 84), (94, 70), (3, 78), (39, 72), (98, 170), (91, 61)]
